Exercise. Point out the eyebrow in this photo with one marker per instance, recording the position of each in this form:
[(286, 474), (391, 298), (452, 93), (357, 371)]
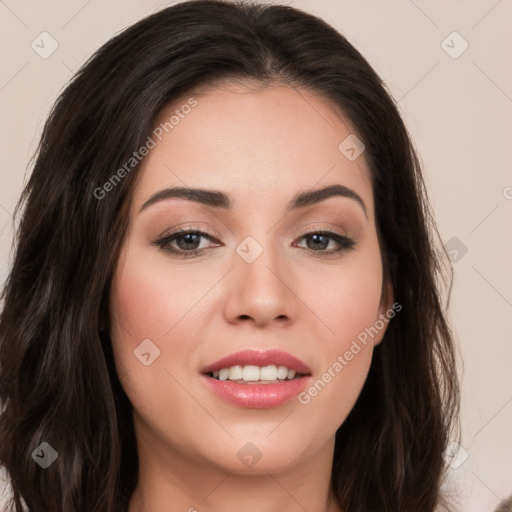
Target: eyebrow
[(218, 199)]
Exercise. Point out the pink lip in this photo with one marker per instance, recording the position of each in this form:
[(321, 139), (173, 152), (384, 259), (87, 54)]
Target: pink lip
[(256, 396), (256, 358)]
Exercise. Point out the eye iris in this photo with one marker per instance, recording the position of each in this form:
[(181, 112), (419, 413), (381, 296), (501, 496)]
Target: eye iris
[(317, 240), (191, 241)]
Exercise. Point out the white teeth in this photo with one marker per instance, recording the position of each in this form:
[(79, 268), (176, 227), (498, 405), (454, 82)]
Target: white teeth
[(268, 373), (282, 372), (235, 373), (224, 374), (251, 373)]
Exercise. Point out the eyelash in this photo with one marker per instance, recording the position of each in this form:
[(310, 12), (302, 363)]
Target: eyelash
[(346, 243)]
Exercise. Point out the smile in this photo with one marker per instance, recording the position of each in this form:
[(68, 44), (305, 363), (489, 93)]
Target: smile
[(257, 379), (250, 374)]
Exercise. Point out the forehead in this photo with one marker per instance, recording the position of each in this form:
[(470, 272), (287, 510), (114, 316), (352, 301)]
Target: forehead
[(248, 140)]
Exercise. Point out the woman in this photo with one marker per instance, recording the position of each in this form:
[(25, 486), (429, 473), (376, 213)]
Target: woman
[(226, 286)]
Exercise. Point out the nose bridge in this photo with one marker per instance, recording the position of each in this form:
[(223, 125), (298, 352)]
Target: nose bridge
[(260, 290)]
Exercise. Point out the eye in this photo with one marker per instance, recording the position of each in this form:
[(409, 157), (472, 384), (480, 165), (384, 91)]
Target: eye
[(188, 242), (318, 240)]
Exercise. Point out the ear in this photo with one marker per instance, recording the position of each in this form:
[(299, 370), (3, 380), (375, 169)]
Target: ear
[(386, 312)]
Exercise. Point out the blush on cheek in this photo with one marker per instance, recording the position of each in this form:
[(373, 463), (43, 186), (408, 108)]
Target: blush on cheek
[(137, 312), (141, 300), (348, 307), (151, 300)]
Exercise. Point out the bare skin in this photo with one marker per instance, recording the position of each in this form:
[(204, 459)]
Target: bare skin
[(261, 147)]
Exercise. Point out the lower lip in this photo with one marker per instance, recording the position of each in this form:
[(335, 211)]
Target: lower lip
[(256, 396)]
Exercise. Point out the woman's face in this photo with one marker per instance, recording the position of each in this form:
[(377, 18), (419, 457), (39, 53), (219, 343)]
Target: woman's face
[(259, 279)]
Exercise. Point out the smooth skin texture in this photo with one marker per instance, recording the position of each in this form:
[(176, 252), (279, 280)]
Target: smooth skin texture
[(261, 146)]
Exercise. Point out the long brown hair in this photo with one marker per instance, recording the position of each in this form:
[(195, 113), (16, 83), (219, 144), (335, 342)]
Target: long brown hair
[(58, 383)]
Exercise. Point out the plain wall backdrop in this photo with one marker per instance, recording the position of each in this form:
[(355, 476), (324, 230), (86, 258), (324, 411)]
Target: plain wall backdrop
[(447, 63)]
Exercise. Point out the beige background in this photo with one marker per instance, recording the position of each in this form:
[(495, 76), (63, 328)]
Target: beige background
[(458, 111)]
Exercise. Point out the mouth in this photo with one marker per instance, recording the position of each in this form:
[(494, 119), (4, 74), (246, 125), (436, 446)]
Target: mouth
[(257, 380), (251, 374)]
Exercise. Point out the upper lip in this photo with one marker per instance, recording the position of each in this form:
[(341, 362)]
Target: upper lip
[(259, 358)]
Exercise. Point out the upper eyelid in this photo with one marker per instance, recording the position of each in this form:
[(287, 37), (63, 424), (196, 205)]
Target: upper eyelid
[(323, 228), (206, 234), (340, 232), (185, 231)]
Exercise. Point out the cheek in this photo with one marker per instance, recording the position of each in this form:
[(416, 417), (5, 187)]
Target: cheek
[(136, 309), (346, 297), (348, 304), (150, 300), (146, 302)]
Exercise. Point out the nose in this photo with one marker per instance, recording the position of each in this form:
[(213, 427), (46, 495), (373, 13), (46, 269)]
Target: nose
[(260, 292)]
